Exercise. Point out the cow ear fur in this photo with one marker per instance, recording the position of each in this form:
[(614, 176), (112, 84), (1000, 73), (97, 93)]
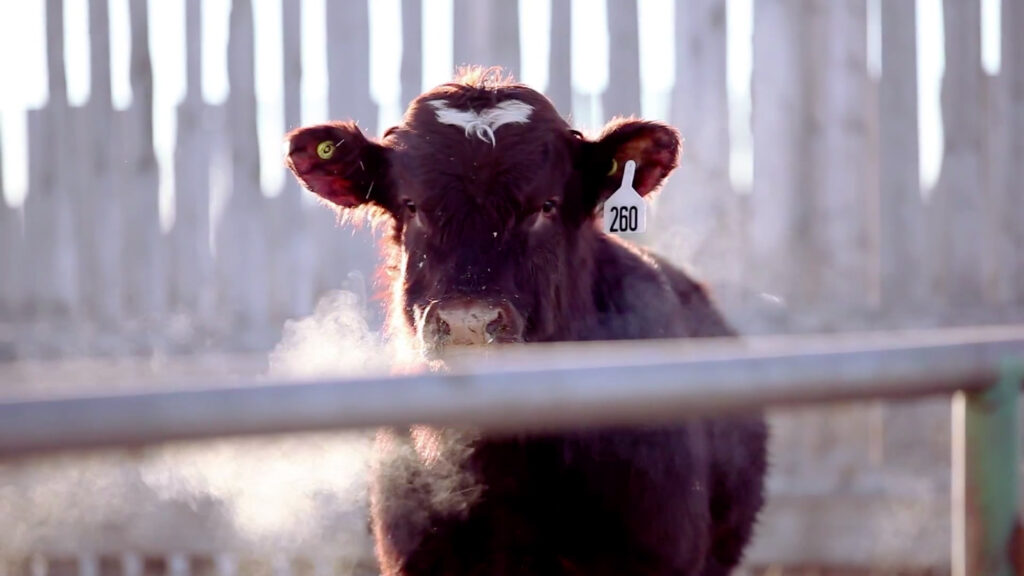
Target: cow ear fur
[(336, 162), (654, 146)]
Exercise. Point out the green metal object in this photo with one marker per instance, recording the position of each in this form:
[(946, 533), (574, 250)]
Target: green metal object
[(987, 475)]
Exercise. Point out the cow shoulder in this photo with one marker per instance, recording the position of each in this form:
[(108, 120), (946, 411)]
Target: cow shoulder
[(639, 295), (701, 315)]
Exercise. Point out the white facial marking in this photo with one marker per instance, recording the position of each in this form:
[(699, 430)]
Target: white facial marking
[(483, 124)]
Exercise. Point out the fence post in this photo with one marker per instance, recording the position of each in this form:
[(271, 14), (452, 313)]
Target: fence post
[(902, 246), (560, 57), (622, 96), (1013, 72), (411, 73), (986, 444), (192, 261)]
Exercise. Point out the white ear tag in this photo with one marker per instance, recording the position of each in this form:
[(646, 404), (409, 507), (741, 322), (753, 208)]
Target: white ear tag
[(625, 211)]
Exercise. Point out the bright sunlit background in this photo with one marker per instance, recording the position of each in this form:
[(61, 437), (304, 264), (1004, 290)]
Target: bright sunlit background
[(23, 64)]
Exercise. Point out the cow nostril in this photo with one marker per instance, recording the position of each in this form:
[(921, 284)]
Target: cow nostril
[(495, 327), (443, 329)]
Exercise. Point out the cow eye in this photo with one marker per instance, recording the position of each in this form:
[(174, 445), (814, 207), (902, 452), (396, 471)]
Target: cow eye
[(549, 207), (410, 206)]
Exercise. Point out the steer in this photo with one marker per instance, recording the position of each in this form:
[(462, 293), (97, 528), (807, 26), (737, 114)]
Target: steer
[(491, 200)]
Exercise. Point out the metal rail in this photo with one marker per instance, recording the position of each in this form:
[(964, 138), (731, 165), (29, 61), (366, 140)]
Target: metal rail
[(536, 387), (572, 385)]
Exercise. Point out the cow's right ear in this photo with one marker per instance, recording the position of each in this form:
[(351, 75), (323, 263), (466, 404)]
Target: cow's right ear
[(336, 162), (653, 146)]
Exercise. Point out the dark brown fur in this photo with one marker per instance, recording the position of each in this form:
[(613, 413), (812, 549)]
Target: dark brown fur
[(515, 223)]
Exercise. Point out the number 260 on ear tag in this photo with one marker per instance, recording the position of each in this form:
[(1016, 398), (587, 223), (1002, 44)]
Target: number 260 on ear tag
[(625, 211)]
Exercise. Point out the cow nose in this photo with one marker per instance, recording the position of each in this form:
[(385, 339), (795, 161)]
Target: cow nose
[(474, 323)]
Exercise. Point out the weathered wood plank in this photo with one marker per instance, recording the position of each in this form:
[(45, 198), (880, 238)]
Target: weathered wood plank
[(348, 64), (293, 252), (80, 170), (104, 207), (49, 219), (956, 226), (192, 272), (697, 213), (560, 57), (411, 73), (838, 132), (916, 435), (48, 223), (902, 247), (12, 239), (144, 250), (775, 233), (343, 250), (996, 257), (700, 99), (242, 241), (486, 33), (1013, 71), (622, 96)]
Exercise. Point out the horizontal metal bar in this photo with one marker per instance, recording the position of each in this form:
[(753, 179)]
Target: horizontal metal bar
[(536, 387)]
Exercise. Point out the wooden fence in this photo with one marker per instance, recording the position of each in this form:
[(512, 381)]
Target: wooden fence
[(833, 233)]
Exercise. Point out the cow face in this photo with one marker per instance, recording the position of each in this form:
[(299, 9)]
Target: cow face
[(493, 201)]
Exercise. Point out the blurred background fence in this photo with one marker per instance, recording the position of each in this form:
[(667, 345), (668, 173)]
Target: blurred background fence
[(827, 226), (802, 204)]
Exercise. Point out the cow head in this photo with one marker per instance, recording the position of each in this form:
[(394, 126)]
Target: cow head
[(493, 200)]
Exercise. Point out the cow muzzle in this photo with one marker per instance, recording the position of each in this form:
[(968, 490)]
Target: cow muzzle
[(466, 322)]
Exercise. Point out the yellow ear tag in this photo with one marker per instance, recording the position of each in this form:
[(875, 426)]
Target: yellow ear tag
[(325, 149), (615, 167)]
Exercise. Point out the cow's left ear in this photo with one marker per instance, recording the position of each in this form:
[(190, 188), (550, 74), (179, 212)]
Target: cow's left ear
[(336, 162), (654, 146)]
